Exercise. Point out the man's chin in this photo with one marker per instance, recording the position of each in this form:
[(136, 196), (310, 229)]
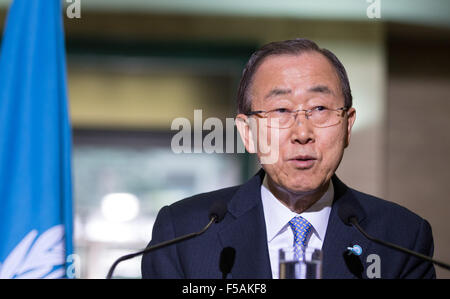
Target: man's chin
[(300, 186), (301, 189)]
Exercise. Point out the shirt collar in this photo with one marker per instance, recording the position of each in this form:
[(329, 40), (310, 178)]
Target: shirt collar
[(278, 215)]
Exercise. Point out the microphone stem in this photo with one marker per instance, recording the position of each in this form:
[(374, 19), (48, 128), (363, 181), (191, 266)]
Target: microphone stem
[(355, 223), (158, 246)]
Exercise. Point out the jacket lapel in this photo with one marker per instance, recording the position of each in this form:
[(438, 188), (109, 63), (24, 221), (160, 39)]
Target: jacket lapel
[(337, 262), (245, 231)]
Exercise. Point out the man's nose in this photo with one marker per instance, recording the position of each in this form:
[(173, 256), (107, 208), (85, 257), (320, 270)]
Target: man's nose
[(302, 130)]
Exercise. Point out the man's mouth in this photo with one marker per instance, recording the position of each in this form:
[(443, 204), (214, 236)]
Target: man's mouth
[(303, 161)]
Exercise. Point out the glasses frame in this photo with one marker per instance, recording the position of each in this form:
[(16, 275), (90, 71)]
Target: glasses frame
[(295, 112)]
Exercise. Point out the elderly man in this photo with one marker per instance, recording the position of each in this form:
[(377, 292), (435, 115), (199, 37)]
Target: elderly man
[(298, 98)]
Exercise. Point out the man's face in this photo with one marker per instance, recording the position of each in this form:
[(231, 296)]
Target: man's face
[(301, 82)]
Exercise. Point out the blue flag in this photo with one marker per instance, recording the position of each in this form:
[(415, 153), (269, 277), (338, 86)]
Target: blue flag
[(35, 144)]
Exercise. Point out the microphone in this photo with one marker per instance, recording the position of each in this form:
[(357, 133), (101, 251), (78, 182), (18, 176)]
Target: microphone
[(227, 257), (349, 215), (216, 214)]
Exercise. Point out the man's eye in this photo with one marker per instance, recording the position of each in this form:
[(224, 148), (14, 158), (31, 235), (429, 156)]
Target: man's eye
[(282, 110), (319, 108)]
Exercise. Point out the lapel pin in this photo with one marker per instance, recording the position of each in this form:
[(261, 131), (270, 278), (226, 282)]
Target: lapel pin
[(356, 250)]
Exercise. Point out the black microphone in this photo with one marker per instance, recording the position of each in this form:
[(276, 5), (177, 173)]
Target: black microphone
[(349, 215), (227, 257), (216, 214)]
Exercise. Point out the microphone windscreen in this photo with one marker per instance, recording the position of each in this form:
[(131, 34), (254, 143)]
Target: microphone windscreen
[(346, 212), (218, 209), (227, 257)]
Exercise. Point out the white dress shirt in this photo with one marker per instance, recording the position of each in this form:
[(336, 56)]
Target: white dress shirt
[(277, 216)]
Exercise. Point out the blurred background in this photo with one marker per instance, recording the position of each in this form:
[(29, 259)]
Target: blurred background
[(136, 65)]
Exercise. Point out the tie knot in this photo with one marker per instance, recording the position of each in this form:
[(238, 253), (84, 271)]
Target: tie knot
[(301, 229)]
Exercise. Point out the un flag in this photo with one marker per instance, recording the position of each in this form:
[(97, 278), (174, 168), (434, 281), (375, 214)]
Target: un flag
[(35, 143)]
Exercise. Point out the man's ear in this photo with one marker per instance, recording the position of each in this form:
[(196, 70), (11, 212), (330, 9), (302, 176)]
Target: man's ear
[(246, 132), (350, 121)]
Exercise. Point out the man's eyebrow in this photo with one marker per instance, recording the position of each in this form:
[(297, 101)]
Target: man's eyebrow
[(320, 88), (277, 91)]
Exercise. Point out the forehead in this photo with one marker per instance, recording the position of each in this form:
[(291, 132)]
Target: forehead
[(298, 73)]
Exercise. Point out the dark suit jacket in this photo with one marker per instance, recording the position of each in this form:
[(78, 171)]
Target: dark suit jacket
[(244, 229)]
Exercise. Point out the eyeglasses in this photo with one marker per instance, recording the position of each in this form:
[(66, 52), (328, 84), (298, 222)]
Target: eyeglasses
[(319, 116)]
